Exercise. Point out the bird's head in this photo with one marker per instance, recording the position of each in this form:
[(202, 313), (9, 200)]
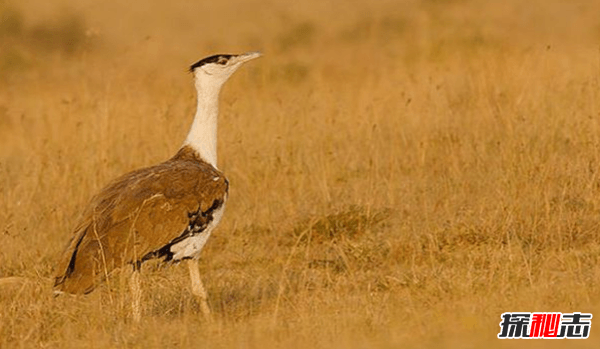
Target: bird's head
[(215, 70)]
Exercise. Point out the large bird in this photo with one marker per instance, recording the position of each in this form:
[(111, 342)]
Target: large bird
[(165, 211)]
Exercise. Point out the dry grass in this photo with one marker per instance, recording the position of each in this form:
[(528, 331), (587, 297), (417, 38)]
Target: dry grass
[(401, 172)]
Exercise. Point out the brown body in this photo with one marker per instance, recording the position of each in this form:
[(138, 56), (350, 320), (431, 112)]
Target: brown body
[(140, 216)]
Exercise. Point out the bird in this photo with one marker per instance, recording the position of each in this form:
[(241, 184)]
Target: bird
[(166, 211)]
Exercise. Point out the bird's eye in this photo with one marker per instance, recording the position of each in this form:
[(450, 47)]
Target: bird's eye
[(222, 60)]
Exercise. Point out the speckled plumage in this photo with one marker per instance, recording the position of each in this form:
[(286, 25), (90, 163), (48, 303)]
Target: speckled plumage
[(142, 215), (165, 211)]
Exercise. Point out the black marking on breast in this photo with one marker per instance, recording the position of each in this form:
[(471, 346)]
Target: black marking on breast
[(198, 221)]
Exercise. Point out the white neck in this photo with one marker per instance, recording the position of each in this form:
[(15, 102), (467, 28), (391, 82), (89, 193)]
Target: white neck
[(203, 133)]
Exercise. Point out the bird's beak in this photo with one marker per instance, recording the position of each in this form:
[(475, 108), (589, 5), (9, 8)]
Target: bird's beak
[(245, 57)]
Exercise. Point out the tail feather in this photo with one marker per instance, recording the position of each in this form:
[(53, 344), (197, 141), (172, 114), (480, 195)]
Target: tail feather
[(75, 284), (78, 271)]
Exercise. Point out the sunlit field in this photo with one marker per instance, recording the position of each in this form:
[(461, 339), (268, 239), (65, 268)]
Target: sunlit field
[(401, 172)]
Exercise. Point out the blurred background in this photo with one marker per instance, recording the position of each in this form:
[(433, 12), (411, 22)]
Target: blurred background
[(312, 33), (402, 172)]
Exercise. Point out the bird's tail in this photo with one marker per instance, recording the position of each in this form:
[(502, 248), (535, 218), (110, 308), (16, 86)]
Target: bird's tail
[(78, 269), (75, 283)]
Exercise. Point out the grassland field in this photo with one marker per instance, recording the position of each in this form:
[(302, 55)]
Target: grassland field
[(402, 172)]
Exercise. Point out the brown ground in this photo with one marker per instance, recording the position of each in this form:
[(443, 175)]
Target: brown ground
[(402, 172)]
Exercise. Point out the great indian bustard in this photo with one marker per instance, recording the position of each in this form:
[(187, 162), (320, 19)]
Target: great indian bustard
[(165, 211)]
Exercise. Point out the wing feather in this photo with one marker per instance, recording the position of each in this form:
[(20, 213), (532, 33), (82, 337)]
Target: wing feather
[(135, 217)]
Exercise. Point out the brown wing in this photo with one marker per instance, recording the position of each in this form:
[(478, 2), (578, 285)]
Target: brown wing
[(136, 216)]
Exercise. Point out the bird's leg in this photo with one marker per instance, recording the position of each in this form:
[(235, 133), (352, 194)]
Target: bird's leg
[(197, 287), (136, 294)]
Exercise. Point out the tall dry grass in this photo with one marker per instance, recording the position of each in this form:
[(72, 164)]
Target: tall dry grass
[(402, 172)]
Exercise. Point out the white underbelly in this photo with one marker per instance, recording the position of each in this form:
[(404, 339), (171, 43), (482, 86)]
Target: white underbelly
[(191, 247)]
